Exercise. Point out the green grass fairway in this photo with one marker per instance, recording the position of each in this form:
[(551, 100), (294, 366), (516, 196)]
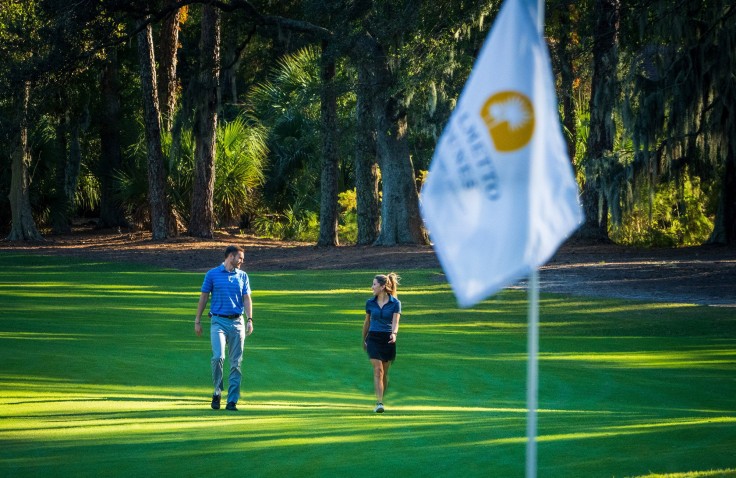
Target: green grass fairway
[(102, 375)]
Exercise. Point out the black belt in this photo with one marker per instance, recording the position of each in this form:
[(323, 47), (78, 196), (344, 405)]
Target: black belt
[(231, 317)]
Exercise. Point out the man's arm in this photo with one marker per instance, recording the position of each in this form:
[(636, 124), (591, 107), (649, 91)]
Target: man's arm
[(203, 298), (248, 311)]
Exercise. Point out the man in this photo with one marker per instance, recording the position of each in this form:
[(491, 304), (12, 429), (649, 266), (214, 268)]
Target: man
[(230, 291)]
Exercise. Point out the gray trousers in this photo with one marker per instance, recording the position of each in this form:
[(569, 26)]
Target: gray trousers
[(230, 333)]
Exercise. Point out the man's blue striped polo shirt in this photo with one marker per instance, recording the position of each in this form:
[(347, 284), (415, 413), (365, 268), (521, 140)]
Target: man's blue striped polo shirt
[(227, 290)]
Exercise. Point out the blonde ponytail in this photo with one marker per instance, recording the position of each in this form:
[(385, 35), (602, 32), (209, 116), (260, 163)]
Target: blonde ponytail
[(390, 281)]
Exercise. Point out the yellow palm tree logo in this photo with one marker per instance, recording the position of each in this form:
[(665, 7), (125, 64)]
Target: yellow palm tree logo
[(509, 116)]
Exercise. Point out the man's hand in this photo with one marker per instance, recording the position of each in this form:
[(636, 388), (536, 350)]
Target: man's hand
[(248, 327), (198, 328)]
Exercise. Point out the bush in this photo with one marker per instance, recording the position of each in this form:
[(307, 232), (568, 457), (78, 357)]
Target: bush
[(675, 215), (348, 221), (293, 224)]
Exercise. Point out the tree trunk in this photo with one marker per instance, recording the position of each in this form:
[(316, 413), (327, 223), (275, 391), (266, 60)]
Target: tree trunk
[(564, 58), (401, 222), (600, 139), (73, 164), (60, 223), (202, 220), (111, 158), (23, 226), (729, 196), (183, 120), (232, 58), (724, 230), (366, 169), (230, 82), (328, 211), (68, 163), (400, 219), (167, 48), (159, 206)]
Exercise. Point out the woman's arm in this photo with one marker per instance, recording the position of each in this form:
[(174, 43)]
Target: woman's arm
[(394, 328), (366, 326)]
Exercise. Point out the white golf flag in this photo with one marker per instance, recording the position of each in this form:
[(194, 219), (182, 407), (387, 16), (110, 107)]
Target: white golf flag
[(501, 195)]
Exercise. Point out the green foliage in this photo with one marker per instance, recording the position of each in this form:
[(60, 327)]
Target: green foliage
[(240, 155), (648, 205), (53, 46), (132, 186), (674, 106), (20, 23), (679, 95), (348, 220), (287, 107), (179, 168), (582, 129), (294, 224), (301, 224), (87, 195), (626, 388), (674, 215), (47, 42), (433, 60), (46, 152)]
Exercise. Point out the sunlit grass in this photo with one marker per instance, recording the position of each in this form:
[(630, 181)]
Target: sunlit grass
[(103, 376), (697, 474)]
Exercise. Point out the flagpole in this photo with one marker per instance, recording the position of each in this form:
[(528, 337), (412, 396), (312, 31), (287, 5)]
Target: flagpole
[(532, 375), (532, 386)]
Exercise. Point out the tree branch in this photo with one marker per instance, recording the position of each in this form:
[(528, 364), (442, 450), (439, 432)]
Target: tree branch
[(239, 50), (299, 26)]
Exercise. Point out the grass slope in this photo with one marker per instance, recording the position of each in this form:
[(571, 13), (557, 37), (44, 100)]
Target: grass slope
[(102, 375)]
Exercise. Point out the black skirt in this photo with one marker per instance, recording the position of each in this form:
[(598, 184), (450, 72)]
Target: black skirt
[(379, 348)]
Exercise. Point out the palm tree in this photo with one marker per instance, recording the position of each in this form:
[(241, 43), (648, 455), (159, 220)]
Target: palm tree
[(288, 107), (240, 158), (239, 163)]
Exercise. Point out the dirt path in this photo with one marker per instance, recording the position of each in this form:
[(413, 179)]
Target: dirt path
[(699, 275)]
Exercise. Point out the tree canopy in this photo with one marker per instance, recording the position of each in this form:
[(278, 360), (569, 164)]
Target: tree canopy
[(320, 118)]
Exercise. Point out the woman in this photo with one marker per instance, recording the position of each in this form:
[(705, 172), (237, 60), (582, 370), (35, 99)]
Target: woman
[(382, 314)]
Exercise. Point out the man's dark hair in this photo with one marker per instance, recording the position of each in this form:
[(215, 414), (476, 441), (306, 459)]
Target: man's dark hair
[(232, 250)]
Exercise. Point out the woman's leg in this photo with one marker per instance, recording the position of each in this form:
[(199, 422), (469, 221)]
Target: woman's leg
[(378, 379), (386, 366)]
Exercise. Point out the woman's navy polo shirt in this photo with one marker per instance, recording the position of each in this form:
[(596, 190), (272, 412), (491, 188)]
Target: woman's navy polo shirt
[(227, 289), (382, 318)]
